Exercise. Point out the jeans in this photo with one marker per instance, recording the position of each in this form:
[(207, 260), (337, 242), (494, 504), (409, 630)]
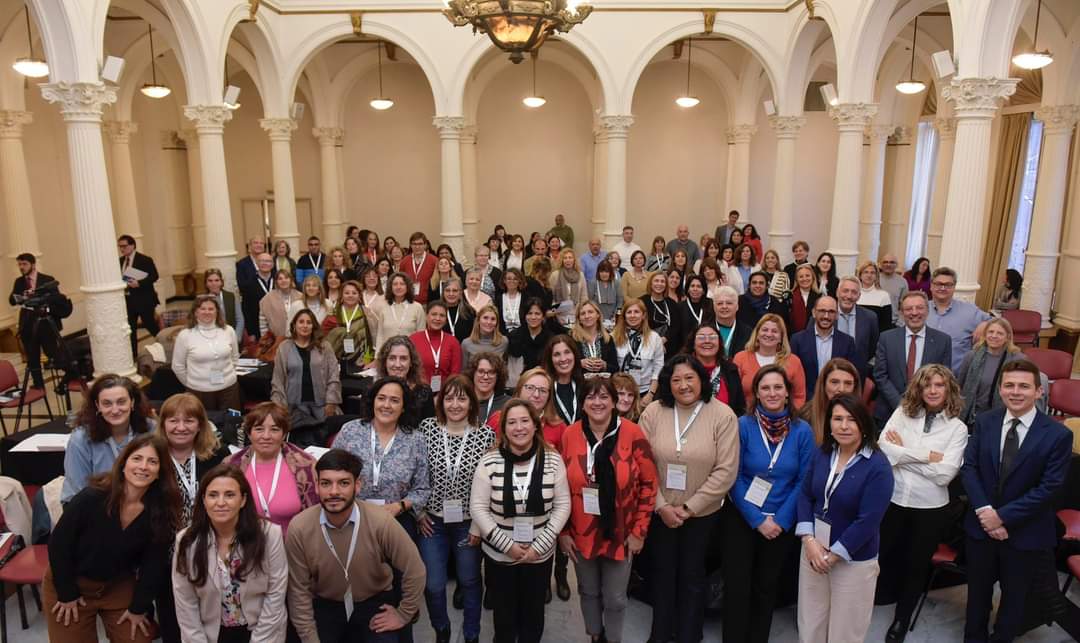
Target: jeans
[(451, 540)]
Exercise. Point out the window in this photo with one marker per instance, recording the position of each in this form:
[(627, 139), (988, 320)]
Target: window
[(1022, 229), (922, 189)]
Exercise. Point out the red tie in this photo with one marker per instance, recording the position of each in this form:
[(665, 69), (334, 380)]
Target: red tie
[(29, 282), (911, 357)]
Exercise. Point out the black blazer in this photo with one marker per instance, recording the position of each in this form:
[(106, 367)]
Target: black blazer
[(775, 306), (890, 366), (251, 293), (688, 321), (498, 301), (527, 347), (246, 273), (26, 317), (867, 333), (804, 346), (667, 322), (144, 294)]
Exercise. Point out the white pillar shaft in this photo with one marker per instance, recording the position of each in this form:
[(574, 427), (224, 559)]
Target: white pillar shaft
[(787, 132), (976, 100), (851, 119), (450, 128), (469, 197), (220, 244), (1044, 242), (873, 194), (196, 200), (1068, 295), (617, 127), (285, 225), (333, 221), (81, 105), (599, 182), (343, 198), (15, 187), (123, 175), (899, 208), (176, 205), (738, 171), (946, 128)]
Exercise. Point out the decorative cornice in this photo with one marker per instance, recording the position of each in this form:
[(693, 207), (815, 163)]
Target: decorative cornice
[(903, 135), (787, 126), (878, 134), (121, 131), (616, 125), (468, 135), (208, 118), (852, 117), (279, 129), (329, 136), (172, 140), (450, 127), (946, 128), (978, 97), (80, 101), (12, 121), (1058, 119), (740, 133)]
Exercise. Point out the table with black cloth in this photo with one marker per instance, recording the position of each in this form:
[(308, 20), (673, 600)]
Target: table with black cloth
[(32, 468), (255, 386)]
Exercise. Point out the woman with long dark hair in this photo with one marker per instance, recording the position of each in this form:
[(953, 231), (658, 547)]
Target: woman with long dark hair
[(528, 341), (398, 358), (826, 274), (918, 277), (837, 377), (704, 343), (307, 376), (1007, 296), (229, 573), (110, 548)]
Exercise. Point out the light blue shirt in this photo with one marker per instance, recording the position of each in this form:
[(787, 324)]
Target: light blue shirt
[(824, 349), (846, 322), (920, 344), (354, 518), (83, 458), (589, 262), (958, 322)]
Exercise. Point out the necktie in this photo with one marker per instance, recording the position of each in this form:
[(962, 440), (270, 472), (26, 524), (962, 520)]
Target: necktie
[(1009, 451), (30, 282), (911, 357)]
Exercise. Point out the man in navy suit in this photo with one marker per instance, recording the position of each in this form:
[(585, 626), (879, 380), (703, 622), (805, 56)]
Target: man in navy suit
[(815, 345), (1014, 468), (902, 351), (855, 321), (247, 274), (139, 296)]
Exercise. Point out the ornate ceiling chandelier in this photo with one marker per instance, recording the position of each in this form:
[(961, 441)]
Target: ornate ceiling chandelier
[(517, 26)]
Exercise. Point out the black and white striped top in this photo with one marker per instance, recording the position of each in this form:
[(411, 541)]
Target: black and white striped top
[(496, 529), (477, 442)]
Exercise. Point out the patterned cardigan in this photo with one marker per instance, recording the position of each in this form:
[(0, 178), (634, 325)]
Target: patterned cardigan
[(300, 464)]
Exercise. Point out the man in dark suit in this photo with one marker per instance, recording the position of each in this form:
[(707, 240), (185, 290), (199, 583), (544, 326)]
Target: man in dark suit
[(1014, 468), (857, 322), (247, 271), (253, 290), (815, 345), (140, 296), (902, 351), (27, 284), (734, 330)]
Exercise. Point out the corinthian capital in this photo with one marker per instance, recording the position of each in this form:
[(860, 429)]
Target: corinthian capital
[(329, 136), (740, 133), (80, 101), (902, 136), (946, 128), (1058, 119), (878, 133), (616, 125), (787, 126), (208, 117), (279, 129), (120, 131), (12, 121), (978, 97), (852, 117)]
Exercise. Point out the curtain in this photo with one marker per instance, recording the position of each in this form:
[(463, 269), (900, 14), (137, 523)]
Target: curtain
[(1007, 178), (922, 190)]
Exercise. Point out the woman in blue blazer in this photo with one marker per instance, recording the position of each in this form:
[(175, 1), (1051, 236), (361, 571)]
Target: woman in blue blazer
[(775, 451), (840, 508)]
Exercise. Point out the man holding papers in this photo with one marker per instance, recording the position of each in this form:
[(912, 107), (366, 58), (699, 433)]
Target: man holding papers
[(139, 273)]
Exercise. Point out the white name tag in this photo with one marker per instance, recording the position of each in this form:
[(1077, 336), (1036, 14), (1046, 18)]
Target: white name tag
[(523, 529), (376, 501), (676, 477), (436, 383), (758, 491), (452, 511), (590, 496), (416, 289), (349, 345), (217, 378), (823, 532)]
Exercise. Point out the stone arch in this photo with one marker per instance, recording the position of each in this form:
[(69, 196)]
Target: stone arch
[(344, 81), (799, 62)]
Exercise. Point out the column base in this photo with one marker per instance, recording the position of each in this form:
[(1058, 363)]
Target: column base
[(781, 241), (456, 240), (846, 261), (226, 263), (110, 343)]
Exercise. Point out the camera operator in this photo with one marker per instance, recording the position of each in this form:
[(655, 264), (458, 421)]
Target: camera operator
[(32, 292)]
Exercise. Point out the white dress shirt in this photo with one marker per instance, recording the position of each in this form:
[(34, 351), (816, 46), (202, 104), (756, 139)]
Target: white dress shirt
[(920, 344), (918, 483), (1021, 429)]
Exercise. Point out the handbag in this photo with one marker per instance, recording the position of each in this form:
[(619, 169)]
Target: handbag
[(267, 347)]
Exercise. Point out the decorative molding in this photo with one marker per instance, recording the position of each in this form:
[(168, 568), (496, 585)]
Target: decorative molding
[(12, 121), (787, 126), (329, 136), (903, 135), (208, 118), (279, 129), (468, 135), (121, 131), (80, 101), (616, 125), (1058, 119), (852, 117), (877, 134), (978, 97), (946, 128), (742, 133), (710, 20), (171, 140), (449, 125)]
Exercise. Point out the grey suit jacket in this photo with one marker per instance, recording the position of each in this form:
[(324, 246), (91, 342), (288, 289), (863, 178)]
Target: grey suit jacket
[(890, 366)]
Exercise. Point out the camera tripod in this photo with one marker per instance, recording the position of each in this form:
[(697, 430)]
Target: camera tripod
[(58, 368)]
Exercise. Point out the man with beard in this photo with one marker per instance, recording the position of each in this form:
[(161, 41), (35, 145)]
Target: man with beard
[(29, 282)]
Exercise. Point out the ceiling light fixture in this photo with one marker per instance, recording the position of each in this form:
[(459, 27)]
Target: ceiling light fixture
[(534, 100), (154, 89), (382, 103), (688, 100), (517, 26), (1034, 59), (30, 66), (912, 86)]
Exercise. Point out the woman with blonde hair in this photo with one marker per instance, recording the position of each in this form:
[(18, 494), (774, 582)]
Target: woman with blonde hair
[(838, 376), (640, 351), (980, 371), (872, 296), (444, 272), (779, 285), (205, 356), (924, 440), (598, 354), (485, 337), (628, 402), (568, 287), (769, 345), (315, 298)]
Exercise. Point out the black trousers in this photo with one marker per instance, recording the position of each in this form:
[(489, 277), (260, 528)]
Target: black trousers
[(990, 561), (250, 308), (141, 310), (333, 628), (909, 538), (32, 348), (752, 568), (677, 577), (234, 634), (518, 593)]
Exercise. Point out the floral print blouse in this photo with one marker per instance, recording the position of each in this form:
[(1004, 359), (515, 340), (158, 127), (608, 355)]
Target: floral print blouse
[(403, 468)]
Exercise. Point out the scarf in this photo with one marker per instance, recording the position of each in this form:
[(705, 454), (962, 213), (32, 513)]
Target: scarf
[(634, 339), (759, 304), (604, 472), (565, 278), (776, 425), (534, 506)]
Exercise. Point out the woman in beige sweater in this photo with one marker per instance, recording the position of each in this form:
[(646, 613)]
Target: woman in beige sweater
[(695, 443)]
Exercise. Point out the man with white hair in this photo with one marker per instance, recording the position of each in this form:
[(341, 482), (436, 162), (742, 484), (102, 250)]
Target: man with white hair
[(854, 321), (734, 333)]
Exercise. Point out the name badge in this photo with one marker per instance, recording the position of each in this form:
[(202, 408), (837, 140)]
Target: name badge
[(349, 345), (676, 477), (452, 511), (376, 501), (436, 383), (217, 378), (523, 529), (758, 491), (590, 496), (347, 598), (823, 532), (416, 289)]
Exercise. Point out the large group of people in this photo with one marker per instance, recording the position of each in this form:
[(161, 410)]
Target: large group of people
[(538, 409)]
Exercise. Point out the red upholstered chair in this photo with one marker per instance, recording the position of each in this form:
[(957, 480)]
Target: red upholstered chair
[(1026, 325), (1065, 397), (10, 379), (26, 567), (1071, 519), (1055, 364), (944, 559), (1073, 563)]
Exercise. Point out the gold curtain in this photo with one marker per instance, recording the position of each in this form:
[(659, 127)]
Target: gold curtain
[(1007, 180)]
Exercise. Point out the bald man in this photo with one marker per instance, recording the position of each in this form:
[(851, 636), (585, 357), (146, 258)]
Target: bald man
[(252, 289), (682, 241), (591, 259), (892, 282), (564, 232)]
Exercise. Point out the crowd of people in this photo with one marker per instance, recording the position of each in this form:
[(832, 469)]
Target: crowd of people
[(539, 409)]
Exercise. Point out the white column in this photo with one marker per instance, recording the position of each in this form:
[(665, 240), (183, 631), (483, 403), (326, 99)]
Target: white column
[(946, 129), (975, 102), (126, 208), (738, 170), (15, 186), (617, 128), (1068, 295), (285, 223), (899, 210), (332, 216), (81, 105), (1044, 242), (599, 181), (873, 191), (851, 119), (176, 204), (450, 128), (470, 203), (196, 201), (209, 123), (339, 154), (786, 129)]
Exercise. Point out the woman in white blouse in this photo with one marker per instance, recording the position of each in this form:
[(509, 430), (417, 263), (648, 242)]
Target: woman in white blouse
[(640, 350), (401, 315), (925, 441), (314, 298), (205, 355), (872, 296)]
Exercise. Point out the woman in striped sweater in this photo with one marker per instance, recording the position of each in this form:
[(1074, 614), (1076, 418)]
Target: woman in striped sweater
[(519, 503)]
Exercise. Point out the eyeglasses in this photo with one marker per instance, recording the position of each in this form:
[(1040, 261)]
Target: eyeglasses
[(944, 285), (707, 339), (827, 313), (483, 372), (532, 389)]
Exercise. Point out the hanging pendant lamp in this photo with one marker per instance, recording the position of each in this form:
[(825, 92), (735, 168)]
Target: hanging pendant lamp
[(534, 100), (381, 103), (912, 86), (688, 100), (1034, 59), (154, 89), (29, 65)]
